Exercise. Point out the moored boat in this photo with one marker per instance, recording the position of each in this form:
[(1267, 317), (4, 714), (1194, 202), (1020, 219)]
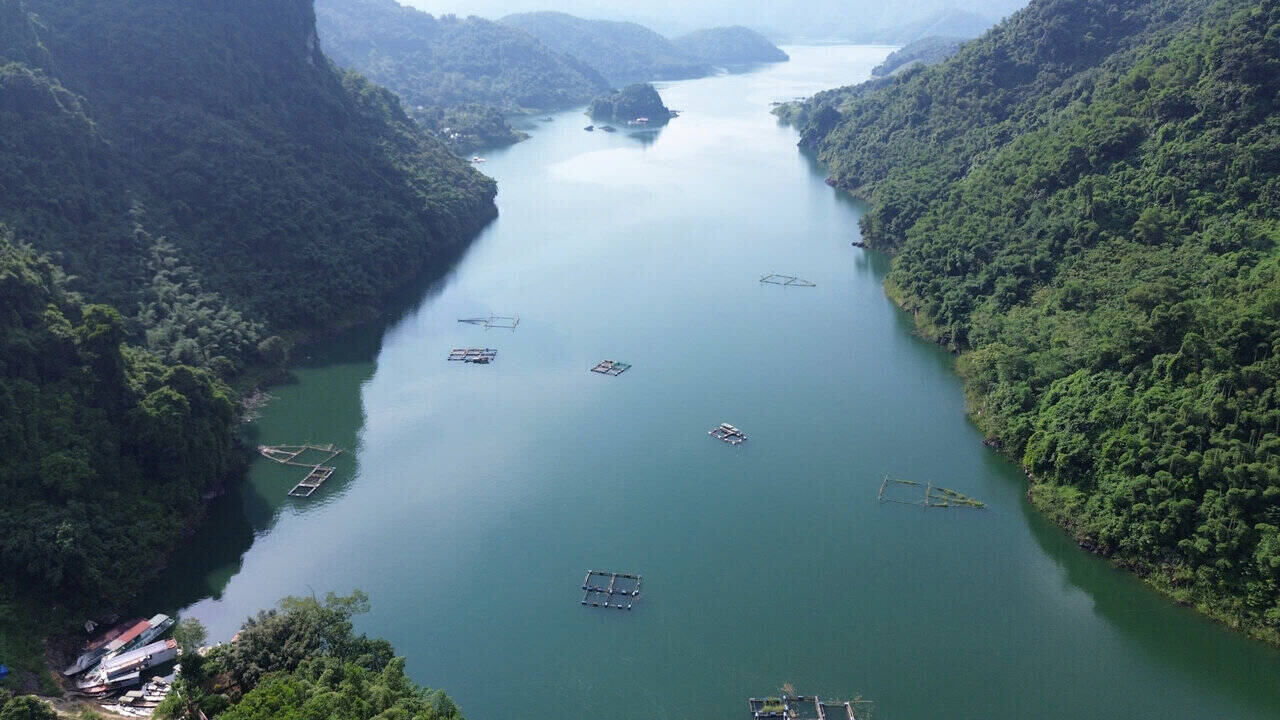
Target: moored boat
[(125, 670), (140, 634), (96, 648)]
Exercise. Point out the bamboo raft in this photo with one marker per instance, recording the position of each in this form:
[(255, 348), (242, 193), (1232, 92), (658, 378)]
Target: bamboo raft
[(620, 592), (509, 322), (786, 281), (611, 367), (318, 473), (478, 356), (727, 433)]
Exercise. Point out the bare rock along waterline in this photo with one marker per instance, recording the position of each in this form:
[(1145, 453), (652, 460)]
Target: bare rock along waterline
[(470, 499)]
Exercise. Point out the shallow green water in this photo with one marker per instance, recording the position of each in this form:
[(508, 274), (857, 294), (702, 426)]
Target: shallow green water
[(474, 498)]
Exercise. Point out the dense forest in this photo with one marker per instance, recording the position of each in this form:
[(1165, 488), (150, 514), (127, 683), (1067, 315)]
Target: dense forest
[(447, 61), (925, 51), (188, 188), (735, 45), (632, 102), (624, 52), (303, 660), (1085, 203)]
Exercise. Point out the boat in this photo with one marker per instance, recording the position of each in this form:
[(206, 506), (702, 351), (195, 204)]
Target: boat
[(95, 649), (477, 159), (589, 128), (140, 634), (547, 119), (608, 128), (125, 670)]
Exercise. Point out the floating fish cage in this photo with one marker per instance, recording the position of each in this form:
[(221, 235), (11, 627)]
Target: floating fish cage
[(318, 471), (478, 356), (727, 433), (611, 367), (786, 281), (509, 322), (602, 588), (910, 492)]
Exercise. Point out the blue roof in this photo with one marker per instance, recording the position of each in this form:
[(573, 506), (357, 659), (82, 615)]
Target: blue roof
[(4, 670)]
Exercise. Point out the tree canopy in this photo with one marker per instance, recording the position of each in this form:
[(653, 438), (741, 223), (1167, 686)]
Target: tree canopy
[(303, 660), (1086, 203)]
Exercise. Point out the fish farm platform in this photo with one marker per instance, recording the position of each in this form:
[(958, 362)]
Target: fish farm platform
[(312, 481), (786, 281), (478, 356), (289, 454), (727, 433), (611, 367), (800, 707), (610, 589)]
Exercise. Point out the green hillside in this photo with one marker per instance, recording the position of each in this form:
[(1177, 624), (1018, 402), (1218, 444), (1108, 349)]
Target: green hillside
[(624, 52), (196, 186), (449, 61), (1086, 204), (925, 51)]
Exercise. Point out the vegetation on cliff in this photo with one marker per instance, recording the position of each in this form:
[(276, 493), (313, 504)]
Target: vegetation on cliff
[(1086, 203)]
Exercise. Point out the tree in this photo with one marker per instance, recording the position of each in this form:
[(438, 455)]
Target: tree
[(26, 707)]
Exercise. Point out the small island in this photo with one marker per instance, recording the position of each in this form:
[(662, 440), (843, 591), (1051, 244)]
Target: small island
[(637, 104)]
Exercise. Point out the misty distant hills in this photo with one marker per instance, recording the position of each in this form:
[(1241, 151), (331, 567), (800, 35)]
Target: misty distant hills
[(449, 61), (779, 20), (623, 52), (952, 23), (729, 46)]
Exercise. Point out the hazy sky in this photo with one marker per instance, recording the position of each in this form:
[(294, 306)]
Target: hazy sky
[(792, 17)]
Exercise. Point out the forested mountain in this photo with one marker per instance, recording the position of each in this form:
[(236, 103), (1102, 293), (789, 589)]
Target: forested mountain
[(107, 449), (201, 182), (623, 52), (1086, 203), (728, 46), (925, 51), (449, 61)]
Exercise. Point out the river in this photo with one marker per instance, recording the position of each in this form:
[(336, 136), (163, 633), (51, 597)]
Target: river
[(473, 499)]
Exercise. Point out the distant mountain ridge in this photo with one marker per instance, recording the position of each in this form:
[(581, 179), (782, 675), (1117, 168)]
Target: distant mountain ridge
[(729, 46), (952, 22), (623, 52)]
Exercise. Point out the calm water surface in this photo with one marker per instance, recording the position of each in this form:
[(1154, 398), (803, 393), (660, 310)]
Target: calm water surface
[(474, 498)]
